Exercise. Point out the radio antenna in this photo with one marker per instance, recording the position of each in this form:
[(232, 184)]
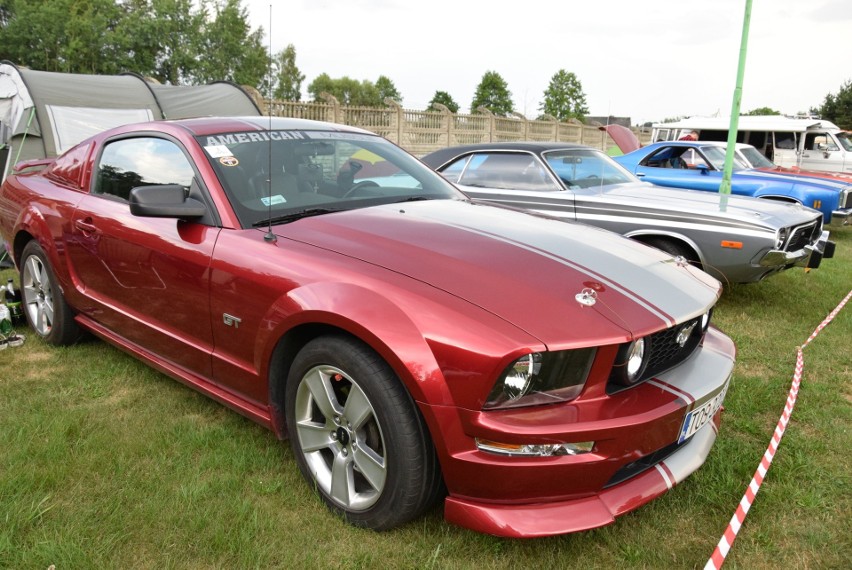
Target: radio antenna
[(270, 237)]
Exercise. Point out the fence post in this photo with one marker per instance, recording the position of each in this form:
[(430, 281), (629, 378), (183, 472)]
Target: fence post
[(486, 111), (337, 114), (400, 117), (525, 131), (446, 115)]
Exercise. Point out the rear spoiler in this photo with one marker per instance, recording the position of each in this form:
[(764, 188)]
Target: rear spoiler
[(33, 163)]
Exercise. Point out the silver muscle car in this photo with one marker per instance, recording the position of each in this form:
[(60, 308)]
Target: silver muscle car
[(734, 238)]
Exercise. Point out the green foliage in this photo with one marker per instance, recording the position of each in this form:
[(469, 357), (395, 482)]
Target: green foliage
[(173, 41), (564, 97), (838, 108), (350, 91), (493, 94), (231, 51), (763, 111), (387, 90), (288, 78), (446, 100)]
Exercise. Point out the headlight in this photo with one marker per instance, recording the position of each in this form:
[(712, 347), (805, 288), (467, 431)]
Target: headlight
[(542, 378), (705, 321), (781, 237), (630, 363)]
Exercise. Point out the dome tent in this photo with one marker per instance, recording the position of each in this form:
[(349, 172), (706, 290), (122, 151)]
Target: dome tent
[(43, 113)]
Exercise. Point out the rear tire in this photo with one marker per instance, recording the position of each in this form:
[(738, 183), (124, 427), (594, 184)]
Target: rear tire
[(42, 301), (357, 435)]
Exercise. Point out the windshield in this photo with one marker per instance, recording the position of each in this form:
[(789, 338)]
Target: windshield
[(586, 168), (845, 139), (278, 174), (757, 160), (716, 156)]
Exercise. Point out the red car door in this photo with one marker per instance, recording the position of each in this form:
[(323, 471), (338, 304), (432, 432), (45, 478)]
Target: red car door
[(145, 279)]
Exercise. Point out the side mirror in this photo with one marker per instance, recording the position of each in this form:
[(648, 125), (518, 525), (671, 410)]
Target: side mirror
[(702, 168), (164, 201)]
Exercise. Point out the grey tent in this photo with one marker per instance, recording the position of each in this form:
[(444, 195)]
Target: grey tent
[(43, 114)]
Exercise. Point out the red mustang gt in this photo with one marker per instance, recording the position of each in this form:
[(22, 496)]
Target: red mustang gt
[(541, 376)]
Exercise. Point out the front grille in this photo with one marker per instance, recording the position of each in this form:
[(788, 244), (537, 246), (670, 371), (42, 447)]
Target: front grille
[(802, 236), (666, 349)]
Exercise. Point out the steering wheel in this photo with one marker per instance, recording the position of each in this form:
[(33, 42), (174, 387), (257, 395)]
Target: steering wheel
[(593, 176), (358, 186)]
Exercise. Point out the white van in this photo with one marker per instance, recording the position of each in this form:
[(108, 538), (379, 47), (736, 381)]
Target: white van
[(811, 144)]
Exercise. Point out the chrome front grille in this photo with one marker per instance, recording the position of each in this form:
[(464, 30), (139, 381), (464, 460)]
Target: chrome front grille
[(802, 236)]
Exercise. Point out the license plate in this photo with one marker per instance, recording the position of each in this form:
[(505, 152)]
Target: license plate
[(699, 417)]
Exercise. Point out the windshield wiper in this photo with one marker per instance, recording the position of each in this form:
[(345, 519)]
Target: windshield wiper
[(293, 216), (413, 199)]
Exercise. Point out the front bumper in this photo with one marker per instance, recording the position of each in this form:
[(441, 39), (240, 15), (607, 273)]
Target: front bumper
[(841, 217), (809, 256), (543, 496)]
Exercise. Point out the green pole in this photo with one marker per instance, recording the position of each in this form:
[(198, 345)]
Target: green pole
[(725, 188)]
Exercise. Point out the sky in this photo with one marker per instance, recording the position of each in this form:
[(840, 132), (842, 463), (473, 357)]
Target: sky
[(645, 60)]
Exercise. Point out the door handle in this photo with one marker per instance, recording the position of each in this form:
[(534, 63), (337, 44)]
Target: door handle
[(640, 175), (86, 226)]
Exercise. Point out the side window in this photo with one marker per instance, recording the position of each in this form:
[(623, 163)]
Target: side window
[(785, 141), (508, 171), (453, 170), (819, 141), (128, 163)]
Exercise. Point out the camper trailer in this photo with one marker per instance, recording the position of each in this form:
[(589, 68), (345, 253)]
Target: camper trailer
[(811, 144)]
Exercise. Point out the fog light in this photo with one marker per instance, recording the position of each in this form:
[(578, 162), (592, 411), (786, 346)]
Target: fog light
[(534, 449)]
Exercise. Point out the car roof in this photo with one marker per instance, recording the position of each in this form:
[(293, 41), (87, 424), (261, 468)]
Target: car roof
[(439, 157), (211, 125)]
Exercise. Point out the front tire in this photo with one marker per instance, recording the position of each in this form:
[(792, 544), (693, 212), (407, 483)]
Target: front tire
[(357, 435), (675, 249), (42, 301)]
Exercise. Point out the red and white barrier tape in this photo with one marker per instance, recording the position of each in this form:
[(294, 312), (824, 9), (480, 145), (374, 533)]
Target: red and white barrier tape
[(727, 540)]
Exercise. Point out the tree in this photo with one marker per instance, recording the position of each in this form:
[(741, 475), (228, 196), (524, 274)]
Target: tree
[(446, 100), (174, 41), (493, 94), (564, 97), (231, 50), (838, 108), (288, 78), (387, 90), (353, 92), (763, 111), (62, 35)]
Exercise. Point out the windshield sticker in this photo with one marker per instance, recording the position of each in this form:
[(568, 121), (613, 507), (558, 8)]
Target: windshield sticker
[(273, 200), (343, 136), (217, 151), (262, 136), (229, 161)]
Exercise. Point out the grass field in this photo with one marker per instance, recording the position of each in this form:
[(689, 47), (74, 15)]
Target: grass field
[(105, 463)]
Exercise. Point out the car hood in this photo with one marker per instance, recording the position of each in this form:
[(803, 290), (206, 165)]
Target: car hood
[(789, 178), (526, 269), (735, 211)]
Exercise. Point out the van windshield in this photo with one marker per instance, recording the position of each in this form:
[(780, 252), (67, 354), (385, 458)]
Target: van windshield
[(845, 139)]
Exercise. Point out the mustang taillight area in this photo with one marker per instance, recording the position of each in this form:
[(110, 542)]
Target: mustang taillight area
[(542, 378), (535, 449)]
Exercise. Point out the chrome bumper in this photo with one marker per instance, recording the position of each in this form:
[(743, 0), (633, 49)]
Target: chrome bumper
[(809, 256), (841, 217)]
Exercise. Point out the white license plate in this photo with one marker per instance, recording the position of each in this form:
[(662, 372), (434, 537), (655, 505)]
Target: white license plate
[(699, 417)]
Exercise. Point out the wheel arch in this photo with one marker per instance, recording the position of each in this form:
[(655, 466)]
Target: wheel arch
[(649, 236), (368, 318)]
